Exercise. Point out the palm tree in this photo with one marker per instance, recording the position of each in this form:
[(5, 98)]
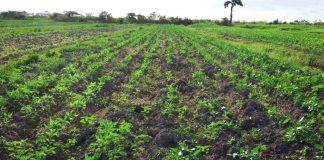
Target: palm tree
[(233, 3)]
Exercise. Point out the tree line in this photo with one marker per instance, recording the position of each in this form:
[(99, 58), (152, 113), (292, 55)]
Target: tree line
[(132, 17), (13, 15), (104, 17)]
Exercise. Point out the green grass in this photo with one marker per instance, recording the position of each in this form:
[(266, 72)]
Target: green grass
[(296, 44)]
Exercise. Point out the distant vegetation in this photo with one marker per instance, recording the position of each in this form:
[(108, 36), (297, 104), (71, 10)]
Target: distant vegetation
[(106, 17), (13, 15)]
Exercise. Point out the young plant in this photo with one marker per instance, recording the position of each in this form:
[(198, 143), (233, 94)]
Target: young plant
[(184, 152), (249, 154), (111, 140), (198, 78)]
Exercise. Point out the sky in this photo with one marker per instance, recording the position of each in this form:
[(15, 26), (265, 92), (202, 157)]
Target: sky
[(253, 10)]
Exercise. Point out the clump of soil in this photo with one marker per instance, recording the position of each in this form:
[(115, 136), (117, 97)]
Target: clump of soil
[(254, 115), (166, 139)]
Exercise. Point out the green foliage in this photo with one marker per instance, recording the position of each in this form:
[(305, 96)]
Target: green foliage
[(302, 131), (283, 120), (198, 78), (6, 120), (111, 140), (171, 100), (138, 145), (146, 110), (249, 154), (184, 152), (212, 131), (20, 149), (78, 101), (249, 136), (31, 59), (169, 50), (169, 75), (88, 120), (2, 101), (202, 103)]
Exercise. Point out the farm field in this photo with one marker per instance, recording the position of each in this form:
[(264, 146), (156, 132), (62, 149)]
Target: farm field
[(152, 91)]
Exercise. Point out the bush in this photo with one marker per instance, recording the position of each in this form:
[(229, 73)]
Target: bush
[(68, 16), (13, 15), (276, 21), (120, 20), (224, 22), (58, 17), (105, 17)]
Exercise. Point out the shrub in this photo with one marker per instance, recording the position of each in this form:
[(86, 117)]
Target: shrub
[(224, 22), (13, 15), (105, 17)]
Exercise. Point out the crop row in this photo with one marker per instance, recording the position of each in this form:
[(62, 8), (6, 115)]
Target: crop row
[(54, 83), (113, 142), (252, 77), (77, 101), (163, 92)]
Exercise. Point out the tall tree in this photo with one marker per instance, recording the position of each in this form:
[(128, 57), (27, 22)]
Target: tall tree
[(71, 13), (141, 18), (233, 3), (105, 17), (152, 17), (131, 17)]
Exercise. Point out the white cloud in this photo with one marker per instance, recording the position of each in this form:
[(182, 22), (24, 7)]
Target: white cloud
[(196, 9)]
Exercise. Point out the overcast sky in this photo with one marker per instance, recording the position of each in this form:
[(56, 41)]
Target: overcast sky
[(287, 10)]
